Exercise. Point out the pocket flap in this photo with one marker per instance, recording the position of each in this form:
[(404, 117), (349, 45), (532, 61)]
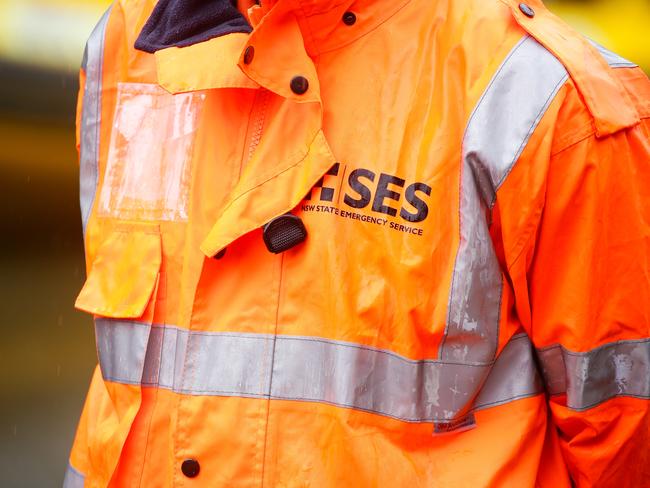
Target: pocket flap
[(123, 275)]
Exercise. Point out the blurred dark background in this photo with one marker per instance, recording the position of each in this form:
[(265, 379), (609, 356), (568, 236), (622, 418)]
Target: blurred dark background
[(47, 351)]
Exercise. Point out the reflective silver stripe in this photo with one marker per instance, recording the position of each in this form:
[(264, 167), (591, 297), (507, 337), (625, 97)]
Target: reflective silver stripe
[(613, 59), (91, 114), (73, 478), (515, 375), (496, 135), (121, 349), (308, 369), (590, 378)]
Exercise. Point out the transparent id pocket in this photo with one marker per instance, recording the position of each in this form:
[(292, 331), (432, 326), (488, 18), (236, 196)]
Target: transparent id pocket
[(149, 161)]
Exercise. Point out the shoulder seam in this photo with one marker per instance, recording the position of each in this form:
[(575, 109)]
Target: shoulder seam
[(604, 96), (585, 132)]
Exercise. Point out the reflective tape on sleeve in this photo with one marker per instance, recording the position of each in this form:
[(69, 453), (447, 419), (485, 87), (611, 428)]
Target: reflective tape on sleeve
[(91, 114), (73, 478), (593, 377), (311, 369), (514, 376), (613, 59), (498, 130)]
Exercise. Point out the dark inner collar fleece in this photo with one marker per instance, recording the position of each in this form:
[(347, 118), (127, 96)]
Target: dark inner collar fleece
[(181, 23)]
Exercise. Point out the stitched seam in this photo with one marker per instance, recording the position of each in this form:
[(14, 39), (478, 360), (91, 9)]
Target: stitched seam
[(312, 38), (599, 348), (355, 39), (75, 471), (389, 353), (601, 401), (348, 405), (507, 400), (526, 234), (246, 139), (271, 371), (297, 163), (272, 85), (584, 137), (585, 132)]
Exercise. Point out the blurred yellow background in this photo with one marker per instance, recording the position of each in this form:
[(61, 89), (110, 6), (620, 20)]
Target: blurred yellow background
[(47, 352)]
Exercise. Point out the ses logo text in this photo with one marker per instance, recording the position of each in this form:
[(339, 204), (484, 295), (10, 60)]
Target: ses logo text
[(387, 200)]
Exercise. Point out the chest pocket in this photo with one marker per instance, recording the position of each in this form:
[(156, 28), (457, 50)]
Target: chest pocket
[(124, 274)]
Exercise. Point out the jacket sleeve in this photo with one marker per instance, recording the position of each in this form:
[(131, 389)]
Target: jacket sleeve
[(583, 285)]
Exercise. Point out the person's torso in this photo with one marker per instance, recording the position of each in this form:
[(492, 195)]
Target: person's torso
[(381, 351)]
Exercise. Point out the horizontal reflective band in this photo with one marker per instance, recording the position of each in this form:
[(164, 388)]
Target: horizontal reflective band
[(73, 478), (590, 378), (310, 369)]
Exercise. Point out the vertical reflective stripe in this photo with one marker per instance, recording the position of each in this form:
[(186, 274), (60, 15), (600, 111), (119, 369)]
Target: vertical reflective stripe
[(309, 369), (613, 59), (73, 478), (93, 62), (496, 135), (590, 378)]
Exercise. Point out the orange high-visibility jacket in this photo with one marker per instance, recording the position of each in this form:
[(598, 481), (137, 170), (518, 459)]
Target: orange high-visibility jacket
[(369, 243)]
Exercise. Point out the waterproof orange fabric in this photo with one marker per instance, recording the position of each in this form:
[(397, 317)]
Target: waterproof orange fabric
[(112, 288), (475, 185)]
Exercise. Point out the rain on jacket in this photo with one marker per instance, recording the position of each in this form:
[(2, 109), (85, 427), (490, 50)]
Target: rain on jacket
[(470, 306)]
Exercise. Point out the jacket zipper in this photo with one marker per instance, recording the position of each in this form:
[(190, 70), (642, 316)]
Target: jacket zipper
[(256, 124)]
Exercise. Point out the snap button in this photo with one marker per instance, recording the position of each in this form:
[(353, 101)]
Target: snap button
[(191, 468), (349, 18), (220, 254), (284, 232), (249, 53), (299, 85), (527, 10)]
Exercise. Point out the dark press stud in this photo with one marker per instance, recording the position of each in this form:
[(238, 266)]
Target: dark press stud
[(349, 18), (299, 85), (527, 10), (191, 468), (249, 54), (284, 232)]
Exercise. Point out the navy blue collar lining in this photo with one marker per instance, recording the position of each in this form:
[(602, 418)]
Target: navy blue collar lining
[(181, 23)]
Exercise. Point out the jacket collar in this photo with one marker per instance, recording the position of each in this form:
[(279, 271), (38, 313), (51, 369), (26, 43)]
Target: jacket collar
[(182, 23), (306, 29), (287, 38)]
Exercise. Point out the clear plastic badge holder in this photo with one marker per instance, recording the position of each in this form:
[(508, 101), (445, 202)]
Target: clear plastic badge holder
[(148, 173)]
